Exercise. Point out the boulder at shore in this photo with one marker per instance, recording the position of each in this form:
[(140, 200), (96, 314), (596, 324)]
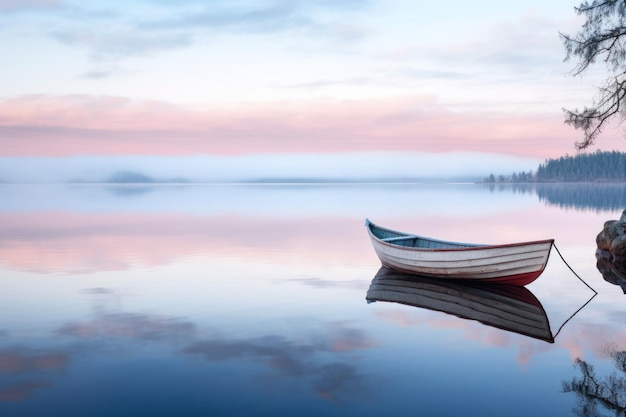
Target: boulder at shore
[(611, 240)]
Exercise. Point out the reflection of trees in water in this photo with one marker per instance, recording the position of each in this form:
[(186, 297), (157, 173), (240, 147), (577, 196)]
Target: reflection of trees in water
[(516, 188), (598, 197), (598, 395), (588, 196)]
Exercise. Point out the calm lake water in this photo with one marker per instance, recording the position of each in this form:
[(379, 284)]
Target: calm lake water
[(237, 300)]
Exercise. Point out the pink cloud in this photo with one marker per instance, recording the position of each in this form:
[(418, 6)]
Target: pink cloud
[(41, 125)]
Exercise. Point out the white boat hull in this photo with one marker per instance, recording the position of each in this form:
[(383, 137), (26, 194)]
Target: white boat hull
[(517, 263)]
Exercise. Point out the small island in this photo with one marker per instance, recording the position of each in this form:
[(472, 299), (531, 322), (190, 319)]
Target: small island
[(131, 178)]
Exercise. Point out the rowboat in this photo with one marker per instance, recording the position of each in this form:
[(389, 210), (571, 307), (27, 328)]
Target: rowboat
[(513, 263), (507, 307)]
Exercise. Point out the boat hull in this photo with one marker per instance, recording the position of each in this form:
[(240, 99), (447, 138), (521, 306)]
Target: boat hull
[(516, 264)]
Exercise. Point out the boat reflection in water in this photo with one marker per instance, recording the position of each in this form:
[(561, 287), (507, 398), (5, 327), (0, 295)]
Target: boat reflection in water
[(507, 307)]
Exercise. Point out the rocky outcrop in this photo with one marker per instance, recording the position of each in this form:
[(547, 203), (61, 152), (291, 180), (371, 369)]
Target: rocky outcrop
[(611, 241), (611, 252)]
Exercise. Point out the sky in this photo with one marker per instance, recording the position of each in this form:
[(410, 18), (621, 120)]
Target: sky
[(241, 82)]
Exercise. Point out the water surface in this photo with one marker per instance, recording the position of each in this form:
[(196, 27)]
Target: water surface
[(229, 300)]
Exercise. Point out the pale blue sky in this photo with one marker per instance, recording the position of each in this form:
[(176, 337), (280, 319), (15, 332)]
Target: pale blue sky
[(233, 51), (155, 77)]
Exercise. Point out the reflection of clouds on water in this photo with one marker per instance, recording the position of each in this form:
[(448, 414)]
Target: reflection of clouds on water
[(109, 323), (317, 362), (472, 330), (594, 338), (277, 352), (98, 291), (64, 242), (22, 390), (246, 223), (130, 325), (25, 370), (20, 361), (302, 360), (340, 381), (345, 339), (327, 283)]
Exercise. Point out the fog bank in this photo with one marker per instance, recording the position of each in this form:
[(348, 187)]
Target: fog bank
[(361, 166)]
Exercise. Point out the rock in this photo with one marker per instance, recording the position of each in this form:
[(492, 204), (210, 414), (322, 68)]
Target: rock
[(611, 252), (603, 240), (612, 231), (618, 248), (604, 255)]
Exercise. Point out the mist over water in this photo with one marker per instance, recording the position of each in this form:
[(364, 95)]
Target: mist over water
[(368, 166)]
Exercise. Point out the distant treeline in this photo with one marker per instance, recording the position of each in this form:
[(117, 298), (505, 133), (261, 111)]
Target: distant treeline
[(599, 166)]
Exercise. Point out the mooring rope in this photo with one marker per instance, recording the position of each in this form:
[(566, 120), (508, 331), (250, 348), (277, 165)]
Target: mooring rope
[(583, 281), (572, 316), (571, 269)]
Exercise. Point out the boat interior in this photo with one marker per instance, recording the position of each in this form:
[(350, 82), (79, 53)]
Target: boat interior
[(425, 243), (413, 241)]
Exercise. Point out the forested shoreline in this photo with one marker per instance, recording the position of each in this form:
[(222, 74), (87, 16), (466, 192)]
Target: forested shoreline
[(600, 166)]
